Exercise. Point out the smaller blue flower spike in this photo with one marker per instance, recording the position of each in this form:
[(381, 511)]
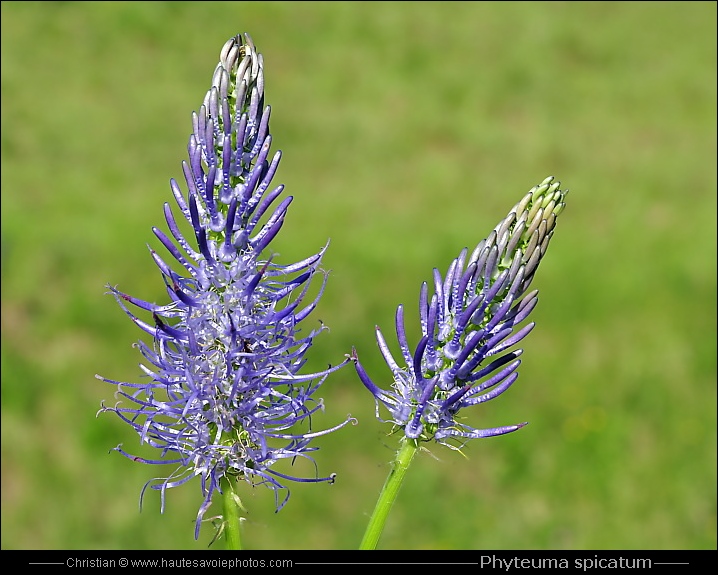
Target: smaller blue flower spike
[(466, 324), (224, 398)]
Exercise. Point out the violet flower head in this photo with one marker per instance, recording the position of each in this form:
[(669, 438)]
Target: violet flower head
[(469, 321), (224, 397)]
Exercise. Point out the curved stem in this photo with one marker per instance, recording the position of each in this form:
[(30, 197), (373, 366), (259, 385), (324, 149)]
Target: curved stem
[(231, 505), (388, 493)]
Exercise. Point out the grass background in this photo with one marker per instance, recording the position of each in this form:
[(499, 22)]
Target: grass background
[(408, 131)]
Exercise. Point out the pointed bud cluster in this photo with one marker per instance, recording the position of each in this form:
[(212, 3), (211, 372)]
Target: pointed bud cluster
[(468, 325), (224, 397)]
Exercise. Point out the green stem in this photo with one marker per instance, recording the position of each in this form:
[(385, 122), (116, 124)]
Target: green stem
[(231, 506), (388, 493)]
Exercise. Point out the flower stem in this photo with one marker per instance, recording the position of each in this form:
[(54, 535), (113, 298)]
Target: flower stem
[(231, 506), (388, 493)]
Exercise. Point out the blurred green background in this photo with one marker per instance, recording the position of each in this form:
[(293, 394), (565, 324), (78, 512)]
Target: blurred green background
[(408, 131)]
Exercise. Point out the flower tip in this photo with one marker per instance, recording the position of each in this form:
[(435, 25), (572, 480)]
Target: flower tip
[(363, 375)]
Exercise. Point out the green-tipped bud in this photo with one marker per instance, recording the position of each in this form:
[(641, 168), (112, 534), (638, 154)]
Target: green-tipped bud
[(523, 235)]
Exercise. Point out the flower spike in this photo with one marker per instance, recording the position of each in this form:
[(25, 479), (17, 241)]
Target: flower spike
[(226, 399), (471, 317)]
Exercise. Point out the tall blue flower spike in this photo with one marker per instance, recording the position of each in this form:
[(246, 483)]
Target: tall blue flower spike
[(468, 322), (224, 397)]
